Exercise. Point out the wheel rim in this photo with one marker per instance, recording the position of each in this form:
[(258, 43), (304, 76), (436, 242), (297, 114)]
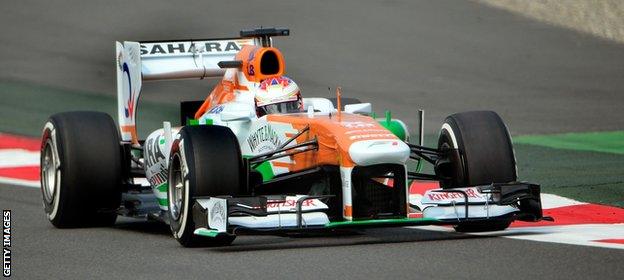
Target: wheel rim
[(49, 171), (176, 188)]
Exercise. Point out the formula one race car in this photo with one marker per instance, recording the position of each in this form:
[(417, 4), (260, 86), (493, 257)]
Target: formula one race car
[(256, 157)]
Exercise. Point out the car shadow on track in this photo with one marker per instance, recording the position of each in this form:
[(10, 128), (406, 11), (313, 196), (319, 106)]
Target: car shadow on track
[(350, 238), (141, 226), (319, 239)]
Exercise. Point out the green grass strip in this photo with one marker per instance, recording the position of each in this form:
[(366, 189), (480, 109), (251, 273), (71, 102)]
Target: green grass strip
[(605, 142), (25, 107)]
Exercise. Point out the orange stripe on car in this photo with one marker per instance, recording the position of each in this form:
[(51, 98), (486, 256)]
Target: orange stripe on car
[(334, 136), (347, 211), (133, 133)]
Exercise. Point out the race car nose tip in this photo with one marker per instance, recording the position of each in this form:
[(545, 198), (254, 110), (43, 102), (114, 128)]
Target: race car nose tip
[(370, 152)]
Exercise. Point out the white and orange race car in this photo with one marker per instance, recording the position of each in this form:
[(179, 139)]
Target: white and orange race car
[(257, 157)]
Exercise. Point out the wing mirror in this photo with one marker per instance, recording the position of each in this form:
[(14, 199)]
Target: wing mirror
[(319, 104), (237, 115), (360, 108)]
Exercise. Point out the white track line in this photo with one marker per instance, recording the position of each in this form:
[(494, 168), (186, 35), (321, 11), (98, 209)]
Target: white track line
[(554, 201), (18, 158), (19, 182), (584, 234), (570, 234)]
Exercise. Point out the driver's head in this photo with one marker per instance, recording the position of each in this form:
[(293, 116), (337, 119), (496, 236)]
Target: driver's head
[(278, 95)]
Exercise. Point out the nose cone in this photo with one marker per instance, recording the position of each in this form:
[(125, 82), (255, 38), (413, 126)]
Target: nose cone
[(369, 152)]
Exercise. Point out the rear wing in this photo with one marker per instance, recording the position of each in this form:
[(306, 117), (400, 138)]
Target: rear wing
[(166, 60)]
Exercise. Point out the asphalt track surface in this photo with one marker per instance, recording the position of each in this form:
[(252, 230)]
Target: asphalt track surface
[(444, 56)]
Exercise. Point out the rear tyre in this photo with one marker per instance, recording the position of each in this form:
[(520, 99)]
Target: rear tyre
[(204, 161), (480, 152), (81, 160)]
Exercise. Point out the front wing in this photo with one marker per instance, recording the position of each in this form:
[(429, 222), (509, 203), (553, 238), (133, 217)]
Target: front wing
[(216, 216)]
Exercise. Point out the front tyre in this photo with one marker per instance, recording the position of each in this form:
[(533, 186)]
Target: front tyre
[(204, 161), (479, 151), (81, 169)]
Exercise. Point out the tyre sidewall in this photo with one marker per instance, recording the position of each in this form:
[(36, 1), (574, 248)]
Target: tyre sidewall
[(203, 170), (51, 206), (181, 226)]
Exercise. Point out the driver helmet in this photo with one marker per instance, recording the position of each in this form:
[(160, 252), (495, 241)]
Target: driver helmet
[(278, 95)]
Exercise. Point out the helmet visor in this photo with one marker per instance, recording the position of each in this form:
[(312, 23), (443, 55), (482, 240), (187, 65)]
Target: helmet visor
[(280, 108)]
